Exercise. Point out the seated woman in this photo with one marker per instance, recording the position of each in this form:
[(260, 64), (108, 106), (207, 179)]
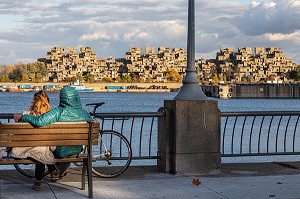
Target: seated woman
[(69, 110), (43, 154)]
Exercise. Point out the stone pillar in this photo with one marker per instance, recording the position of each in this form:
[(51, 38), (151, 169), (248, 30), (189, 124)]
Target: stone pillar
[(189, 137)]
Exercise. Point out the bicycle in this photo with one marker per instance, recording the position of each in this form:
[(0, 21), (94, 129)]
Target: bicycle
[(110, 159), (114, 154)]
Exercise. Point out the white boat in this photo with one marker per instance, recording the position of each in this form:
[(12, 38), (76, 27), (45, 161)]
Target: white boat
[(37, 88), (80, 87)]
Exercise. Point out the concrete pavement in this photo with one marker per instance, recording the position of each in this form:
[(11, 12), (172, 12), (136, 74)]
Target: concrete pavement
[(235, 181)]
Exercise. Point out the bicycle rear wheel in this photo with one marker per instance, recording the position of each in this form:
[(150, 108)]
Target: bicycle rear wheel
[(112, 156), (28, 170)]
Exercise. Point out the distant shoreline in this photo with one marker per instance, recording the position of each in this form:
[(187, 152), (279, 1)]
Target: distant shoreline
[(101, 87)]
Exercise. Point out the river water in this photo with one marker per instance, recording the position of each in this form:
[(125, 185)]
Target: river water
[(148, 102), (142, 102)]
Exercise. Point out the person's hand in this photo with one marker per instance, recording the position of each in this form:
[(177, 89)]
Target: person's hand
[(17, 117)]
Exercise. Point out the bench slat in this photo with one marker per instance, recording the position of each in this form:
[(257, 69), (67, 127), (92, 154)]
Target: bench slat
[(9, 161), (53, 125), (46, 137), (56, 134), (38, 131), (55, 128), (47, 143), (43, 143)]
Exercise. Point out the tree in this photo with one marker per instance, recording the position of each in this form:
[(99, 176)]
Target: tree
[(133, 77), (31, 68), (42, 68), (106, 79), (10, 69), (73, 79), (215, 78), (38, 77), (17, 73), (89, 78), (148, 80), (24, 77), (295, 74), (127, 78), (140, 79), (4, 78), (118, 78), (79, 77), (173, 76)]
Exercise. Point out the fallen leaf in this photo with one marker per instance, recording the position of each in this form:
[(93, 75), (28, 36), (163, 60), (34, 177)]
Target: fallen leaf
[(196, 182)]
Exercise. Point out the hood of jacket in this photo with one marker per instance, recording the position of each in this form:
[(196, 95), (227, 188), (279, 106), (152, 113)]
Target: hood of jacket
[(69, 98)]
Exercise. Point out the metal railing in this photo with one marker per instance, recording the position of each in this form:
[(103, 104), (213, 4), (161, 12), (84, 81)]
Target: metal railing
[(260, 133), (6, 117), (140, 129), (242, 133)]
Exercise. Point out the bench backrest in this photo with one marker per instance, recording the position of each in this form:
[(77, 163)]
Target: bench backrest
[(56, 134)]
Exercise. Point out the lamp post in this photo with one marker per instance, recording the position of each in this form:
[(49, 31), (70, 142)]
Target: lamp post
[(190, 89), (190, 118)]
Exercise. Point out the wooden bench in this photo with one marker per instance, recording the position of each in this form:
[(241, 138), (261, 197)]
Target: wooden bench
[(56, 134)]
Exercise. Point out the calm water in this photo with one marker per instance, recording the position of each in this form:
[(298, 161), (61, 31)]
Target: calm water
[(142, 102)]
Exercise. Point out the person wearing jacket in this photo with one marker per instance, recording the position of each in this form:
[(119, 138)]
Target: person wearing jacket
[(69, 110)]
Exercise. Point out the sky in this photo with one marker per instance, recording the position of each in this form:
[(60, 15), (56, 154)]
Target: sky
[(30, 28)]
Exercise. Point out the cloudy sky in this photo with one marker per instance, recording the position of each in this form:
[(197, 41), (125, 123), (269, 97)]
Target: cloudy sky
[(30, 28)]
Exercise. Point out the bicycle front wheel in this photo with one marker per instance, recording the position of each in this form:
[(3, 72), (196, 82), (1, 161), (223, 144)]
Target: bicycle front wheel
[(28, 170), (112, 156)]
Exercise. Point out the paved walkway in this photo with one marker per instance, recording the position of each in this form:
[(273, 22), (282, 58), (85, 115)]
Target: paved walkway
[(236, 181)]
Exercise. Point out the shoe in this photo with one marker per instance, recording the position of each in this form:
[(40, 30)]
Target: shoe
[(54, 176), (37, 185)]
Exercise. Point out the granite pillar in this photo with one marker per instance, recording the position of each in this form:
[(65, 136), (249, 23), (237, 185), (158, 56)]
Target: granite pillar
[(189, 137)]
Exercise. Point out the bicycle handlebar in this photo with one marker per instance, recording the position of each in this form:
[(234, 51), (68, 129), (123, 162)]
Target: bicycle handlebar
[(95, 105)]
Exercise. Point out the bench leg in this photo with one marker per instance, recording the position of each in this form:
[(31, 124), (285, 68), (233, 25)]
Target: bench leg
[(87, 168), (89, 162), (84, 169), (90, 179)]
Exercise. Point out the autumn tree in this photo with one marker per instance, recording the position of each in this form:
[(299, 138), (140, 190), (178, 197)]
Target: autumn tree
[(24, 77), (79, 77), (106, 79), (127, 78), (32, 72), (148, 80), (140, 79), (215, 78), (4, 78), (73, 79), (89, 78), (38, 78), (118, 78), (10, 69), (131, 77), (173, 76)]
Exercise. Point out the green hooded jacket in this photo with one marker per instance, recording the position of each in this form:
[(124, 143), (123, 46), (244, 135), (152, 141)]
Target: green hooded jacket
[(69, 110)]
